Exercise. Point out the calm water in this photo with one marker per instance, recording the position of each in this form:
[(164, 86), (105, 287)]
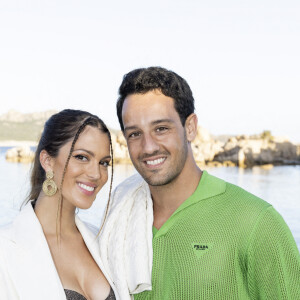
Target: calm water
[(279, 186)]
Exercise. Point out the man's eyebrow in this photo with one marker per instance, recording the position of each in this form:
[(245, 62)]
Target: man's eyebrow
[(134, 127), (162, 121), (130, 128)]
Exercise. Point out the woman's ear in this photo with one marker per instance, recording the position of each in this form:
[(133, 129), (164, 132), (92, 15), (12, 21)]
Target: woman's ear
[(191, 125), (47, 161)]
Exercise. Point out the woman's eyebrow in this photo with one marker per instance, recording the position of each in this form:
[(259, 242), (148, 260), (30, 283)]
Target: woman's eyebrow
[(87, 151), (92, 153)]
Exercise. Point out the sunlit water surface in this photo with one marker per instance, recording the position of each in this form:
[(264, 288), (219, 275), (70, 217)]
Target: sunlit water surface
[(280, 186)]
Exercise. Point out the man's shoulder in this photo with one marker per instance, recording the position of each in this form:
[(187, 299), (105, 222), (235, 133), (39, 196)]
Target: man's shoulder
[(238, 199), (244, 206), (242, 195)]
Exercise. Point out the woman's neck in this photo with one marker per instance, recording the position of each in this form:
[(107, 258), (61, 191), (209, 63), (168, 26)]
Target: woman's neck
[(46, 209)]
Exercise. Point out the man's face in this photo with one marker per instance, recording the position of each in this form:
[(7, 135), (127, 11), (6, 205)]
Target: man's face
[(155, 137)]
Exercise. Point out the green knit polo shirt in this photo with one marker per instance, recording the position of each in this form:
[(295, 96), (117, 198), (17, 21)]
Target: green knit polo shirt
[(224, 243)]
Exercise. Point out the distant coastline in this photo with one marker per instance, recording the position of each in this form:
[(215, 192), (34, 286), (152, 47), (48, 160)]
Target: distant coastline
[(22, 131), (13, 143)]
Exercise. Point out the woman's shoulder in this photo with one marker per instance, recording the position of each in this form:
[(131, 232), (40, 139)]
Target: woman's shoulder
[(6, 237), (22, 225), (6, 229)]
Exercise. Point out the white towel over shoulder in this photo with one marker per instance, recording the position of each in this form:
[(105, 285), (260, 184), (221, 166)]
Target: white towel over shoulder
[(126, 238)]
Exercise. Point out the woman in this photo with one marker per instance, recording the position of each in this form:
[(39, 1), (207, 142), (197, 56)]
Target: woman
[(48, 252)]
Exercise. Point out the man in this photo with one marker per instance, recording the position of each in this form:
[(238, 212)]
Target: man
[(211, 239)]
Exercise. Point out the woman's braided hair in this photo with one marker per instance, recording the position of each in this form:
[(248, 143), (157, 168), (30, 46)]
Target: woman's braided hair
[(61, 128)]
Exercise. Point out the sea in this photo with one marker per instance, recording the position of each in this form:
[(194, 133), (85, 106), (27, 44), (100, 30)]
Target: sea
[(280, 186)]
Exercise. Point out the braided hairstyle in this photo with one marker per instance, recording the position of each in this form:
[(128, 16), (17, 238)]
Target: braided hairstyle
[(61, 128)]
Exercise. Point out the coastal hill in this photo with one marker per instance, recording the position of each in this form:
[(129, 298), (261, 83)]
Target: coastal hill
[(15, 126), (243, 150)]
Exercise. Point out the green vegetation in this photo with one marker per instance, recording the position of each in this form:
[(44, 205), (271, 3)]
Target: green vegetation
[(266, 134), (24, 131)]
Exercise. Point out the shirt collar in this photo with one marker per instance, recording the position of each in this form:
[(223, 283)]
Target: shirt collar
[(209, 186)]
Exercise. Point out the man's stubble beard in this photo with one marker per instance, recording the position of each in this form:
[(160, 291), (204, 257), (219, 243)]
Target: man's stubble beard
[(171, 174)]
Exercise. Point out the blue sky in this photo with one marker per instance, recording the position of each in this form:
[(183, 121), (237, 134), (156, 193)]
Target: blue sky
[(241, 58)]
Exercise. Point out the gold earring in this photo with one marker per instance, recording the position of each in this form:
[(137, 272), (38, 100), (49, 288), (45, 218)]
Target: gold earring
[(49, 186)]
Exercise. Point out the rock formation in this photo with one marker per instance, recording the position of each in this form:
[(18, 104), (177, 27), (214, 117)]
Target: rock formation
[(243, 151), (205, 147), (121, 154), (247, 151), (21, 154)]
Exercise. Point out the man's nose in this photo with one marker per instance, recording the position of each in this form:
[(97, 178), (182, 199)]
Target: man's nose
[(150, 145)]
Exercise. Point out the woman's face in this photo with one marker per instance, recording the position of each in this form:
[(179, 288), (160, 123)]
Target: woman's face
[(87, 169)]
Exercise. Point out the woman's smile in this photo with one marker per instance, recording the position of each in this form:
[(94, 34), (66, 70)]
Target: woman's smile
[(87, 188)]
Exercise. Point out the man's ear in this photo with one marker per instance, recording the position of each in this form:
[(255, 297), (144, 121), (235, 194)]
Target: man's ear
[(191, 125), (47, 161)]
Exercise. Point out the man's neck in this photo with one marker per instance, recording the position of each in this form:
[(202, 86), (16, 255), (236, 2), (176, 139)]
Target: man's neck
[(167, 198)]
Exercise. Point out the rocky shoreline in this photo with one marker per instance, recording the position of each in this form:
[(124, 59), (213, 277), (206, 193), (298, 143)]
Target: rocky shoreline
[(242, 151), (245, 151)]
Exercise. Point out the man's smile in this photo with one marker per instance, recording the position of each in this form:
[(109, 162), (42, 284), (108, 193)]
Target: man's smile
[(155, 162)]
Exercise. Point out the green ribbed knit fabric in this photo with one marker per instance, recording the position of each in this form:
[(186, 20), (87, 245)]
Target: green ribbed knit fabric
[(224, 243)]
